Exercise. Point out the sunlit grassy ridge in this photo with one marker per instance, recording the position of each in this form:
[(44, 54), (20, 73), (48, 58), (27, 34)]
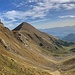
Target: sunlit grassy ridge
[(8, 66), (27, 51)]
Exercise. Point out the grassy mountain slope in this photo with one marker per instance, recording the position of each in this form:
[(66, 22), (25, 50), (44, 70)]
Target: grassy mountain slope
[(27, 51)]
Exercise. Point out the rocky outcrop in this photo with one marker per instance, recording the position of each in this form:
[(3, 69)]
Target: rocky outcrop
[(4, 44), (1, 24)]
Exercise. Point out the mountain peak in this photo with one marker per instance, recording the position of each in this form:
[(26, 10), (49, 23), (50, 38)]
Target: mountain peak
[(24, 26), (25, 23)]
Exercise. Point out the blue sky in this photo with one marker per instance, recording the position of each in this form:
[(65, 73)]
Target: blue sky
[(39, 13)]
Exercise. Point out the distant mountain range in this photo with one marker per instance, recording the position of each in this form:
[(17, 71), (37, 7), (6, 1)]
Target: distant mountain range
[(70, 37), (60, 32)]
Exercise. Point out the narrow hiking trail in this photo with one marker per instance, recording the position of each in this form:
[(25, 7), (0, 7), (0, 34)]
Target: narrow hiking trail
[(55, 73)]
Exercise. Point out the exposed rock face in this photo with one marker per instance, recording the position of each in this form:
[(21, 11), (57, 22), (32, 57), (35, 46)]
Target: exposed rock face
[(20, 37), (1, 24), (4, 44)]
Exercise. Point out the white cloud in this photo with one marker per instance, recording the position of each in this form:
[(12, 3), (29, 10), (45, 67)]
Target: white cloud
[(13, 15), (7, 23), (60, 23), (54, 1), (62, 1), (39, 10), (67, 16), (37, 21), (48, 4), (69, 6)]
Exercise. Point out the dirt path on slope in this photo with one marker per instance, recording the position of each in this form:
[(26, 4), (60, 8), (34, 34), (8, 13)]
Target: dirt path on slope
[(55, 73)]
